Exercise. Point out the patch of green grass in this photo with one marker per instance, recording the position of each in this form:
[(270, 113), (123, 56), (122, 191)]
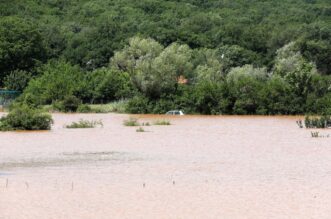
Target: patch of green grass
[(131, 122), (84, 124), (140, 129), (113, 107), (162, 122)]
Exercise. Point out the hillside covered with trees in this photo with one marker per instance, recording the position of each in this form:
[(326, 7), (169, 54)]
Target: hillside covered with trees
[(202, 56)]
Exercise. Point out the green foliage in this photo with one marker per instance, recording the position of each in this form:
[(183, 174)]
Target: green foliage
[(208, 98), (23, 117), (105, 85), (84, 124), (69, 103), (21, 45), (83, 108), (232, 57), (138, 105), (131, 122), (162, 122), (113, 107), (17, 80), (243, 85), (318, 122), (58, 80)]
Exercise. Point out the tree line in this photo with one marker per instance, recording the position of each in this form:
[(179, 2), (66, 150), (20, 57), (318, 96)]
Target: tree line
[(208, 57)]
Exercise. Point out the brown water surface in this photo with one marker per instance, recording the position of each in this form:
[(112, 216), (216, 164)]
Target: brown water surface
[(199, 167)]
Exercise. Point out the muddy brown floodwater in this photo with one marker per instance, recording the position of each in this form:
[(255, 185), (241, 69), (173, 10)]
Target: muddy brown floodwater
[(199, 167)]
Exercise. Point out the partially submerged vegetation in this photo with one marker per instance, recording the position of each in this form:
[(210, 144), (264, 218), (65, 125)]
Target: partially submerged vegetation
[(135, 122), (131, 122), (140, 129), (84, 124), (318, 135), (315, 122), (162, 122), (23, 117)]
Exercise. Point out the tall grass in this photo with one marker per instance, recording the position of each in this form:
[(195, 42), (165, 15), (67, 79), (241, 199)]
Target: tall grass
[(318, 122), (113, 107)]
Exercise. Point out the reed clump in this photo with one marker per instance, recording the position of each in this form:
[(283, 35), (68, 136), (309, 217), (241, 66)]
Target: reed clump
[(84, 124), (318, 122)]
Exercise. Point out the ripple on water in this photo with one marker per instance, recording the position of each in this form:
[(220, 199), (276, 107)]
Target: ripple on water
[(72, 158)]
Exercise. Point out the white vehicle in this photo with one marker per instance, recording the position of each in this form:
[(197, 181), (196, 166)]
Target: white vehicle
[(175, 112)]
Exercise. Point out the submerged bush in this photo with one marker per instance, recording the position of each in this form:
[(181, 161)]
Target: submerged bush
[(318, 122), (23, 117), (314, 134), (84, 124), (70, 103), (162, 122), (140, 129), (131, 122)]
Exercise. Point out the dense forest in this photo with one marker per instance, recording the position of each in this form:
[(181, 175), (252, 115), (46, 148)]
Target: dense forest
[(201, 56)]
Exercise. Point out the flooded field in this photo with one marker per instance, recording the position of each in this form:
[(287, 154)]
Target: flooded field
[(199, 167)]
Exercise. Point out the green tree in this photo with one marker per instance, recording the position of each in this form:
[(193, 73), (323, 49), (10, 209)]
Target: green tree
[(21, 45), (17, 80), (57, 80)]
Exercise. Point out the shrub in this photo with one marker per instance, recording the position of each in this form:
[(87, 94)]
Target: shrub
[(22, 117), (83, 108), (68, 104), (138, 104), (131, 122), (162, 122), (71, 103), (84, 124), (57, 80), (17, 80)]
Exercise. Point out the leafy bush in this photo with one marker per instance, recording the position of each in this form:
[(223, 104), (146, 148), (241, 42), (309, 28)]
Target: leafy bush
[(138, 104), (68, 104), (57, 81), (84, 124), (23, 117), (83, 108)]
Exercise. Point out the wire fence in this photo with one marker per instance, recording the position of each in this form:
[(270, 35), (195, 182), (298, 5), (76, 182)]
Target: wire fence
[(7, 96)]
